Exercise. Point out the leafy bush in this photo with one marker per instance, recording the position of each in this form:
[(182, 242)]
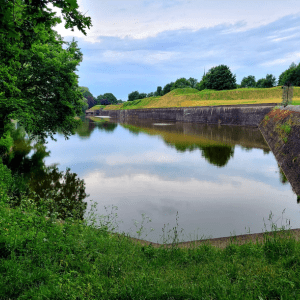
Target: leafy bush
[(6, 181), (286, 128), (6, 142), (65, 189), (220, 78)]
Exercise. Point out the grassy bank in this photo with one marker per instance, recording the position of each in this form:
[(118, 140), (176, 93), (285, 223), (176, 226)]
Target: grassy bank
[(41, 258), (97, 107), (191, 97)]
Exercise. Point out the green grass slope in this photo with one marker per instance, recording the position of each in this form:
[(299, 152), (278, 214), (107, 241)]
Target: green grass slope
[(189, 97)]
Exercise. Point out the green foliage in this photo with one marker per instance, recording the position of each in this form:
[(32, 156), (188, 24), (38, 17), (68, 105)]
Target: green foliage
[(136, 96), (88, 98), (286, 128), (107, 96), (66, 191), (30, 177), (290, 75), (133, 96), (219, 78), (6, 143), (268, 82), (85, 91), (181, 83), (193, 82), (142, 95), (201, 85), (19, 18), (248, 82), (167, 88), (158, 91), (6, 182), (218, 155), (84, 106), (38, 85)]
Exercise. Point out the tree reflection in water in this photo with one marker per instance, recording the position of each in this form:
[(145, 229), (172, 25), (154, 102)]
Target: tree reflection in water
[(218, 155), (36, 181), (85, 130)]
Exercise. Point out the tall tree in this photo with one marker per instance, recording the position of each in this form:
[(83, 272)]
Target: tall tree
[(107, 96), (182, 83), (167, 88), (220, 78), (88, 97), (38, 83), (142, 95), (248, 82), (85, 91), (268, 82), (193, 82), (260, 83), (158, 91), (201, 85), (292, 75), (133, 96), (151, 94)]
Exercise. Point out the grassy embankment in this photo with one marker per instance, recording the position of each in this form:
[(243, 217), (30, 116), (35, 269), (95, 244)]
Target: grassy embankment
[(97, 107), (41, 258), (191, 97)]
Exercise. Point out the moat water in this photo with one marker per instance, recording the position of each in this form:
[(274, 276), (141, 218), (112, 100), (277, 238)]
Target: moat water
[(210, 181)]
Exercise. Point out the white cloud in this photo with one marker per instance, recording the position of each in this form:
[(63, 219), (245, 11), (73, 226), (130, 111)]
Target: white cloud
[(141, 19), (215, 207), (138, 56), (289, 58), (156, 187), (280, 39), (145, 158)]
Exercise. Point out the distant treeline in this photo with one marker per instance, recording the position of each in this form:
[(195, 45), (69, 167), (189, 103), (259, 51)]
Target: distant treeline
[(216, 78), (90, 100), (221, 78)]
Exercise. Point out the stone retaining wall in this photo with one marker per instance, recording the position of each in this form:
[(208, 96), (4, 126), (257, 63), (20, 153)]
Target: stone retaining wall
[(241, 115), (281, 130)]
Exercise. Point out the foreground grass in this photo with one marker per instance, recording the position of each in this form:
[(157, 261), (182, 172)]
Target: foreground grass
[(189, 97), (296, 102), (41, 258)]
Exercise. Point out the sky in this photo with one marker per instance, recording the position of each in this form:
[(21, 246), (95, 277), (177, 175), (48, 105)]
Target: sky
[(141, 44)]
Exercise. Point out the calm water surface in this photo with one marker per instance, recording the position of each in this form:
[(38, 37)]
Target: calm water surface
[(221, 180)]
